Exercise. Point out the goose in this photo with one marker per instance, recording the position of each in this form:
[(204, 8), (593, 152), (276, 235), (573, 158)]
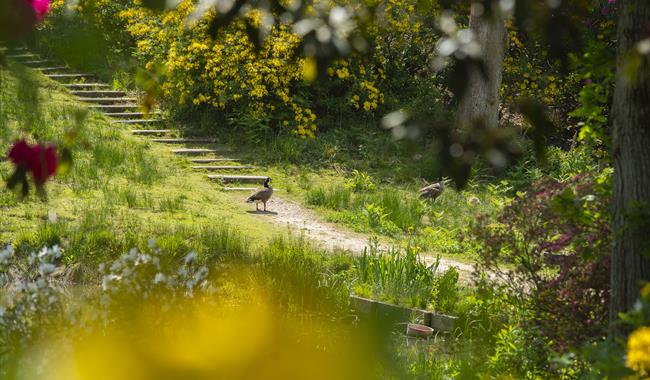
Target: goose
[(432, 191), (261, 195)]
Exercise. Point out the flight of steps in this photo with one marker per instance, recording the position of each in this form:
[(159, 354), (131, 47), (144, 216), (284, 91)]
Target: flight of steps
[(205, 154)]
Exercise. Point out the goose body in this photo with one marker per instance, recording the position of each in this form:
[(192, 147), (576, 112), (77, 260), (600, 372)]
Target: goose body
[(432, 191), (261, 195)]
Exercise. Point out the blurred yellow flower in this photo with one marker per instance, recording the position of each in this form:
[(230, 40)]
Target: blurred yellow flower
[(645, 291), (638, 350)]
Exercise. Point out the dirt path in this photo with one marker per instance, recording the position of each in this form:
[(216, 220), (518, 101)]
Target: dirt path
[(302, 220)]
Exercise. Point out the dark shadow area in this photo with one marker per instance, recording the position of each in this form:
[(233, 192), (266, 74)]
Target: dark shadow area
[(261, 212)]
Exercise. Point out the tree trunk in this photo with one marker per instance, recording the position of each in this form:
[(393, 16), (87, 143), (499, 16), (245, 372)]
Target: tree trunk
[(631, 159), (481, 99)]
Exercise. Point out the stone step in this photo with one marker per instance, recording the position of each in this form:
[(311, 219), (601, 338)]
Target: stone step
[(37, 62), (150, 131), (210, 160), (137, 121), (237, 178), (222, 167), (107, 100), (67, 76), (86, 85), (22, 56), (14, 50), (113, 107), (51, 68), (190, 151), (185, 141), (130, 115), (239, 188), (98, 93)]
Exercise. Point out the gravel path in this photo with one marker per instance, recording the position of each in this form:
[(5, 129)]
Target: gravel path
[(303, 221)]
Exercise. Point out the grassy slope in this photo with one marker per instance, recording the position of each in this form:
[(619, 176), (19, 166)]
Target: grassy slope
[(123, 183), (121, 190)]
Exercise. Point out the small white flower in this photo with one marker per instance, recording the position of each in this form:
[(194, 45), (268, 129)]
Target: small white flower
[(56, 250), (51, 216), (46, 268), (190, 257), (131, 255), (116, 266), (143, 259), (106, 281), (201, 273), (159, 278), (43, 253)]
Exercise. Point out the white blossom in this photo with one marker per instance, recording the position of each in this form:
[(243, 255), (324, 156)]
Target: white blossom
[(46, 268), (190, 257)]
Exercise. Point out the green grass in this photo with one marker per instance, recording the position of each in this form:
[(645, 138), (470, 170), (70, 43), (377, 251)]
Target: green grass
[(392, 210), (120, 192)]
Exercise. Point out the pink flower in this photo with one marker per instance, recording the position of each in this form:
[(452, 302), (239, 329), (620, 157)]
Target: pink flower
[(40, 160), (40, 7), (21, 154), (45, 161)]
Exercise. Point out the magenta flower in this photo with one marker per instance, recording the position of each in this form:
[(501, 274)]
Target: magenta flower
[(37, 159), (40, 7)]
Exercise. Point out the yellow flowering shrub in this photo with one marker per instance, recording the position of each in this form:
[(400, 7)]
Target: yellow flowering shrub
[(638, 351), (264, 86)]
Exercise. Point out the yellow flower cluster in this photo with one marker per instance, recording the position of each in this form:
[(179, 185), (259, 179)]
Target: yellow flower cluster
[(364, 93), (638, 351), (225, 72), (56, 4), (524, 78)]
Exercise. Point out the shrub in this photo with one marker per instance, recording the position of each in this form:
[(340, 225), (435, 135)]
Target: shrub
[(556, 244), (360, 182)]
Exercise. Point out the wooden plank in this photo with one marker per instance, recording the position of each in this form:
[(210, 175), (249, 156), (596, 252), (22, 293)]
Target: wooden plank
[(150, 131), (107, 100), (209, 160), (85, 85), (113, 107), (239, 188), (222, 167), (98, 93), (61, 76), (237, 178), (184, 141), (198, 151), (22, 56), (395, 313), (129, 115), (53, 68), (137, 121), (37, 62)]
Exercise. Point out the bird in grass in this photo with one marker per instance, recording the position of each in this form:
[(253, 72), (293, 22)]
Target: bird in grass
[(261, 195), (432, 191)]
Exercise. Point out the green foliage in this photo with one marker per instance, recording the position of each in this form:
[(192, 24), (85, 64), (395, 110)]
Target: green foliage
[(402, 277), (334, 197), (299, 274), (360, 182)]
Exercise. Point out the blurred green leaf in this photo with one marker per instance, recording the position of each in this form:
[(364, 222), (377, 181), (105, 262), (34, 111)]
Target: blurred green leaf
[(65, 161), (542, 126)]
